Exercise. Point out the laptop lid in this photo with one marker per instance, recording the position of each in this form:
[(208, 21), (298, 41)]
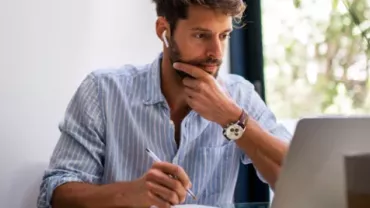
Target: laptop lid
[(313, 171)]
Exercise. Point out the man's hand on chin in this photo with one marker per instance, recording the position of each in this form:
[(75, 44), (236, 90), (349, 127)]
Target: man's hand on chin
[(205, 96)]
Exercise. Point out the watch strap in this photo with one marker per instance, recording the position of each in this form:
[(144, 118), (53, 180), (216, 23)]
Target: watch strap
[(243, 119)]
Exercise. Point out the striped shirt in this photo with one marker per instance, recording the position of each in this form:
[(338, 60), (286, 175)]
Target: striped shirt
[(116, 113)]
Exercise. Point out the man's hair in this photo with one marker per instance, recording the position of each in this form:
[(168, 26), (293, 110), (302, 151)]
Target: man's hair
[(173, 10)]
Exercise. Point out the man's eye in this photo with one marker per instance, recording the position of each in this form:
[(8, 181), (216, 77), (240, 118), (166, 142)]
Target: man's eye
[(225, 36), (199, 36)]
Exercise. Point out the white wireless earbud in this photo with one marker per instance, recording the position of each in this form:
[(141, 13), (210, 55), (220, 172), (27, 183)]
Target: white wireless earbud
[(165, 39)]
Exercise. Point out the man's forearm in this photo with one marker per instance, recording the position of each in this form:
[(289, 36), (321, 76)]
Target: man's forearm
[(266, 151), (83, 195)]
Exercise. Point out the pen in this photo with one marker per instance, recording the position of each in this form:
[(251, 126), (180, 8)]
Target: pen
[(155, 158)]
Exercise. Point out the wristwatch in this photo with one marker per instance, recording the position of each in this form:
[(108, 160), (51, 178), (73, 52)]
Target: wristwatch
[(235, 130)]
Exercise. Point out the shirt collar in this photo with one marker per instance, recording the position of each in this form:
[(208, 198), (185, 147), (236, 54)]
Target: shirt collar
[(153, 83), (154, 93)]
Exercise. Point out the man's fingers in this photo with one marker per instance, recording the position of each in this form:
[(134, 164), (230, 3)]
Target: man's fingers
[(168, 188), (190, 92), (191, 83), (168, 195), (174, 170), (196, 85), (160, 178), (157, 201)]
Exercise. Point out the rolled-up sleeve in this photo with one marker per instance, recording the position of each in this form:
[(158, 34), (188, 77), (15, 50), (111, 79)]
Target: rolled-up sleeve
[(79, 153)]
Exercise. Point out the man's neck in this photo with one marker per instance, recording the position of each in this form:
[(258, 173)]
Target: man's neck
[(172, 87)]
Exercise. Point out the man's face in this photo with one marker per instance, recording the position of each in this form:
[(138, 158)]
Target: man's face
[(200, 39)]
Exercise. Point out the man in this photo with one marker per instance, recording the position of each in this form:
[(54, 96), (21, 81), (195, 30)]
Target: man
[(199, 124)]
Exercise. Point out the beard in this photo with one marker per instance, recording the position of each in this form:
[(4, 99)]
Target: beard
[(175, 56)]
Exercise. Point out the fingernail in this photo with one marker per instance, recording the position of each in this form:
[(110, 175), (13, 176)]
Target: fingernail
[(175, 65)]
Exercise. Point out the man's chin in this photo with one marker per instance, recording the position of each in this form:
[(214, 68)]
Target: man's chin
[(183, 75)]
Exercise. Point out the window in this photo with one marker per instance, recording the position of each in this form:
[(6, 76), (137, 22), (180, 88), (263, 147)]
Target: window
[(316, 57)]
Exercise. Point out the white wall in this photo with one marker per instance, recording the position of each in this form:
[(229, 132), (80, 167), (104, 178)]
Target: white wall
[(46, 49)]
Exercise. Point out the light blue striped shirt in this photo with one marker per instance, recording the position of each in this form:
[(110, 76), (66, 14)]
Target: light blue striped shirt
[(116, 114)]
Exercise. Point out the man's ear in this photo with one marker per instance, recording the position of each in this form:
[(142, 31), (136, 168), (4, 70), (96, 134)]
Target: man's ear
[(162, 30)]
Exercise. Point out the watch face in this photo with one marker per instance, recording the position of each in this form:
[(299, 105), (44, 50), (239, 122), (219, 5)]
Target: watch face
[(234, 132)]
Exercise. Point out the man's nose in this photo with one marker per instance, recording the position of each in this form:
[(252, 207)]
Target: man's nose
[(215, 49)]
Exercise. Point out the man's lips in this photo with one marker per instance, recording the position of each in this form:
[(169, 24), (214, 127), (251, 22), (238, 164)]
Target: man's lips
[(210, 68)]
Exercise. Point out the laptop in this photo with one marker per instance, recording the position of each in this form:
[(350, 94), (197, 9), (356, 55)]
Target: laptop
[(313, 172)]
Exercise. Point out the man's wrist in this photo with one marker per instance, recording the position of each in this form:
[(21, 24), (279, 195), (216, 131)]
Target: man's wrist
[(254, 131), (231, 116)]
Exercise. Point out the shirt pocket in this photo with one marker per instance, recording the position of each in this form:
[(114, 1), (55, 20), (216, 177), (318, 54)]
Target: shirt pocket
[(218, 168)]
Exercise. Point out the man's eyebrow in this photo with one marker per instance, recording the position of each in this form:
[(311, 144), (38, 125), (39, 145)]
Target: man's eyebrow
[(200, 29)]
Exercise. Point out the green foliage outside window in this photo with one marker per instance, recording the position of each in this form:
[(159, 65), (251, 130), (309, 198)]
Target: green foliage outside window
[(317, 61)]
